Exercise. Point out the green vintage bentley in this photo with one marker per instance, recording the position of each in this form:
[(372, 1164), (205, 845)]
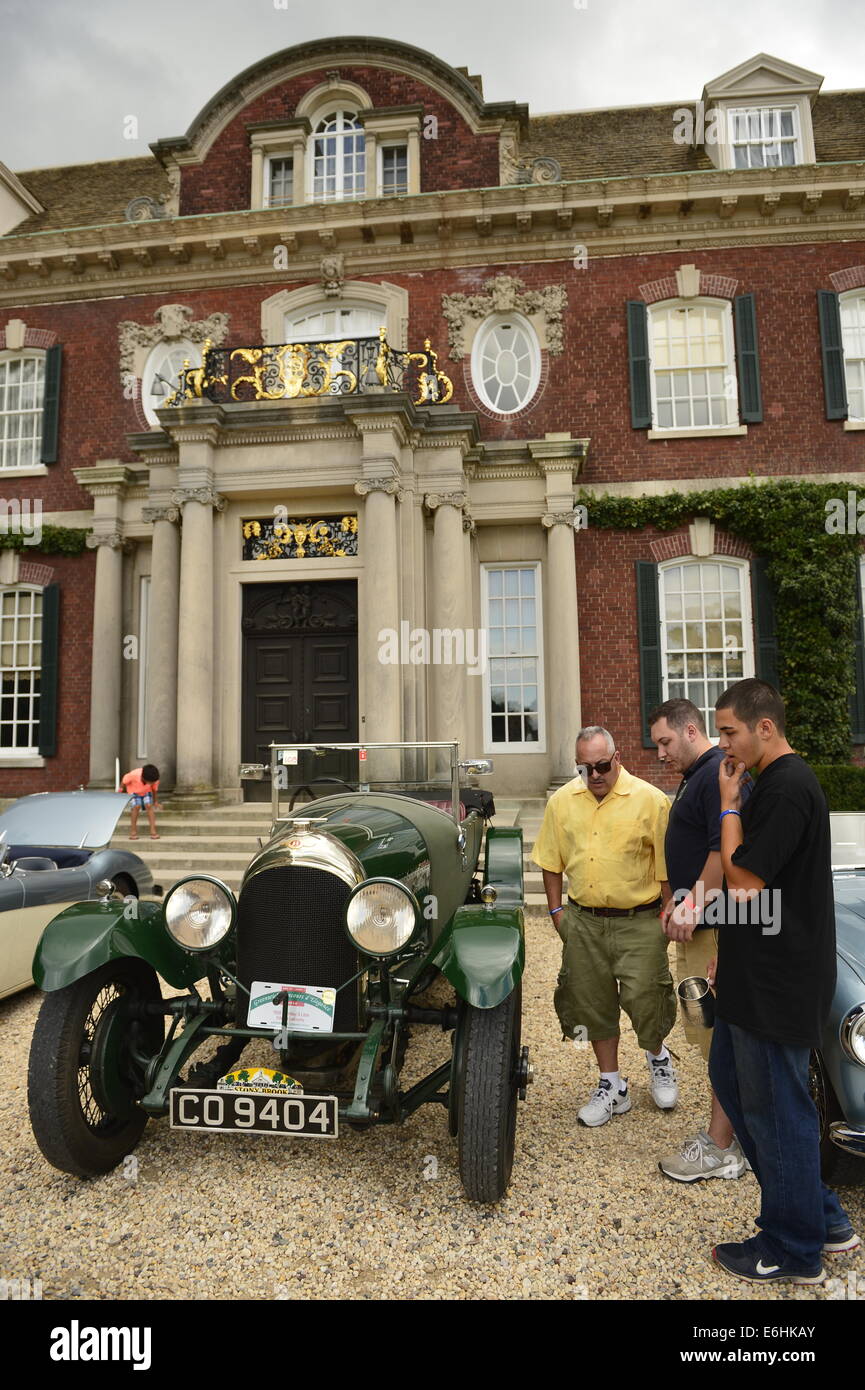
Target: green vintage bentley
[(383, 901)]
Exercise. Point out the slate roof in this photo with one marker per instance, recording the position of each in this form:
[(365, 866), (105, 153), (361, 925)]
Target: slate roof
[(86, 195)]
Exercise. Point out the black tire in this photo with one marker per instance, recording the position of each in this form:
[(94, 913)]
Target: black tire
[(122, 886), (86, 1121), (489, 1054), (828, 1110)]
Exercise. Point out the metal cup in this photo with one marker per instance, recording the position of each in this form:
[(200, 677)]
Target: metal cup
[(697, 1001)]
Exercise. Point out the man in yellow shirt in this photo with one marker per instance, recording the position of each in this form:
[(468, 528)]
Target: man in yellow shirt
[(607, 834)]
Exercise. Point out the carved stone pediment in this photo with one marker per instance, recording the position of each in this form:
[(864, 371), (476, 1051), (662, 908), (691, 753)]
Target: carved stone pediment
[(503, 294), (172, 322)]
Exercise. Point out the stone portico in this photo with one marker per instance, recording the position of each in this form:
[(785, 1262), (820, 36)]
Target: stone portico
[(433, 504)]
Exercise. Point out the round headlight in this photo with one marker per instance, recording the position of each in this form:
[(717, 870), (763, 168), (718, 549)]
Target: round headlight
[(199, 912), (381, 917), (853, 1034)]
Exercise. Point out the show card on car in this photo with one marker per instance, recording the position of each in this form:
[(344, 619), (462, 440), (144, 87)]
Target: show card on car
[(310, 1008)]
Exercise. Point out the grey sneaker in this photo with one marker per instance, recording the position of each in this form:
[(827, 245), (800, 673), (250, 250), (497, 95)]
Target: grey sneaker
[(665, 1088), (602, 1103), (700, 1158)]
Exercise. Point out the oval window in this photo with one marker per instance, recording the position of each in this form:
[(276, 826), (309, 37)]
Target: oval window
[(506, 363), (161, 375)]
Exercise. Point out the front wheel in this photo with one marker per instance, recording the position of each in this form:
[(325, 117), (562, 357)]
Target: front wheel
[(487, 1044), (90, 1046)]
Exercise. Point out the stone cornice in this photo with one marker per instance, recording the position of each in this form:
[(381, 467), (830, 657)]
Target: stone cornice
[(463, 227), (106, 479)]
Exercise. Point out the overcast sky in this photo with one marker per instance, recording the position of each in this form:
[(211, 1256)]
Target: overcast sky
[(71, 73)]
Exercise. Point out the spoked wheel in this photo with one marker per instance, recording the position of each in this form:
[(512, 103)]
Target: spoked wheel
[(487, 1078), (90, 1046), (828, 1110)]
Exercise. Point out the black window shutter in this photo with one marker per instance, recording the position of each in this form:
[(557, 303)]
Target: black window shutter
[(748, 360), (638, 364), (50, 663), (857, 699), (649, 631), (51, 405), (834, 383), (765, 635)]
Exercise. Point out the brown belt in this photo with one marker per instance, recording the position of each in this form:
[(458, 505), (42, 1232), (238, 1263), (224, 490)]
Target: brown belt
[(617, 911)]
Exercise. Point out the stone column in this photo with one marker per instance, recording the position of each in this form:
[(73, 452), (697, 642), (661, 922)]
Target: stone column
[(195, 644), (562, 649), (106, 658), (448, 611), (380, 609), (161, 732)]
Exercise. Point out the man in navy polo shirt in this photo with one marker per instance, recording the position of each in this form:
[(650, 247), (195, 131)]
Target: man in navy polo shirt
[(692, 849)]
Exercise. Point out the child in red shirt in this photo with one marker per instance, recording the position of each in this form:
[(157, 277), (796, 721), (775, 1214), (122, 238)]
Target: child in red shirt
[(143, 784)]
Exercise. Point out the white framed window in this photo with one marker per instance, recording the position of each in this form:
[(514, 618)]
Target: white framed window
[(764, 137), (706, 630), (852, 310), (161, 375), (693, 377), (330, 323), (506, 363), (278, 182), (143, 633), (20, 669), (338, 159), (392, 170), (22, 396), (513, 682)]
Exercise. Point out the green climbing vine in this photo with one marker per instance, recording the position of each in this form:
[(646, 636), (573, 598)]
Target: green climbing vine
[(811, 573), (55, 540)]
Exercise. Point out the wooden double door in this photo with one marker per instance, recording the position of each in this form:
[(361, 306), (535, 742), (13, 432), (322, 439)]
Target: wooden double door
[(299, 668)]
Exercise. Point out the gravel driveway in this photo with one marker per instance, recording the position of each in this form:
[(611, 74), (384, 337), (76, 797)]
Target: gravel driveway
[(382, 1215)]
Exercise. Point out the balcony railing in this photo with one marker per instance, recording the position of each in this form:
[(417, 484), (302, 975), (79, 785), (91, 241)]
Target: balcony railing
[(285, 371)]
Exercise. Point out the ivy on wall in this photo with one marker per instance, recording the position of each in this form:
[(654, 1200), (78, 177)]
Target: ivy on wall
[(55, 540), (811, 572)]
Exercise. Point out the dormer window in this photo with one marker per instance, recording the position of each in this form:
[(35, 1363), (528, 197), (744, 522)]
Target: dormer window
[(393, 170), (338, 158), (279, 186), (764, 137)]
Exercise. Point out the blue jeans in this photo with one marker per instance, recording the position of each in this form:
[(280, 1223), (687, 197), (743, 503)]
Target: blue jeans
[(763, 1087)]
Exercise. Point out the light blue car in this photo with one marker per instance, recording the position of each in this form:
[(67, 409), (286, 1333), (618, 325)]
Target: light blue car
[(838, 1069)]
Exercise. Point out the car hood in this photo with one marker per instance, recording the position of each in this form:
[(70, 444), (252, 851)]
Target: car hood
[(81, 820), (849, 889)]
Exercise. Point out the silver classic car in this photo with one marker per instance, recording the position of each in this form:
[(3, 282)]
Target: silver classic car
[(53, 853)]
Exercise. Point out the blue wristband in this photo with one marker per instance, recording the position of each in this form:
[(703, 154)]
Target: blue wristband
[(731, 812), (554, 910)]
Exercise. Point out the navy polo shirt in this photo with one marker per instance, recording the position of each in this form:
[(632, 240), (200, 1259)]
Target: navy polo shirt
[(694, 828)]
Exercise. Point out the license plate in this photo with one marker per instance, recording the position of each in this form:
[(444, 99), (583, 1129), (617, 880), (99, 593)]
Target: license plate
[(226, 1112)]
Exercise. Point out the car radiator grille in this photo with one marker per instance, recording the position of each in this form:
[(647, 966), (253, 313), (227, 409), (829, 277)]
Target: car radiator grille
[(290, 929)]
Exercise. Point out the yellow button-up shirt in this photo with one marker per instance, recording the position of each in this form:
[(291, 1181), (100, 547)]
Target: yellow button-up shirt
[(612, 850)]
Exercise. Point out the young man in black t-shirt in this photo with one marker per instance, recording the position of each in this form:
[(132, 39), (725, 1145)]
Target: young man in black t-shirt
[(774, 985)]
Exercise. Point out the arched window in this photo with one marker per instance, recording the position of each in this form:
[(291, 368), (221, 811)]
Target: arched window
[(161, 374), (706, 637), (338, 157), (20, 668), (852, 309), (329, 323), (693, 372), (506, 363), (22, 397)]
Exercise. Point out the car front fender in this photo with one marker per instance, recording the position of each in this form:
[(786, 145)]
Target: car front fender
[(87, 935), (482, 953)]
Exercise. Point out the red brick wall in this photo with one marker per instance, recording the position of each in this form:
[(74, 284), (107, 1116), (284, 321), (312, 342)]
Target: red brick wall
[(454, 159), (71, 767)]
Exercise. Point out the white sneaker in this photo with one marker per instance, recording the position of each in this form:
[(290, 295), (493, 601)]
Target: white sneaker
[(602, 1103), (699, 1158), (665, 1088)]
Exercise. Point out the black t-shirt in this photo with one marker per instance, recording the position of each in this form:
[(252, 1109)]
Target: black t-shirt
[(776, 976), (694, 827)]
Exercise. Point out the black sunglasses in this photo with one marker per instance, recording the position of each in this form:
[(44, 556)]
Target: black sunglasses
[(603, 767)]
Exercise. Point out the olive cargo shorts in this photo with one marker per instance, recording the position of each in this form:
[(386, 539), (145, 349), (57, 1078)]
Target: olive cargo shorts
[(610, 963)]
